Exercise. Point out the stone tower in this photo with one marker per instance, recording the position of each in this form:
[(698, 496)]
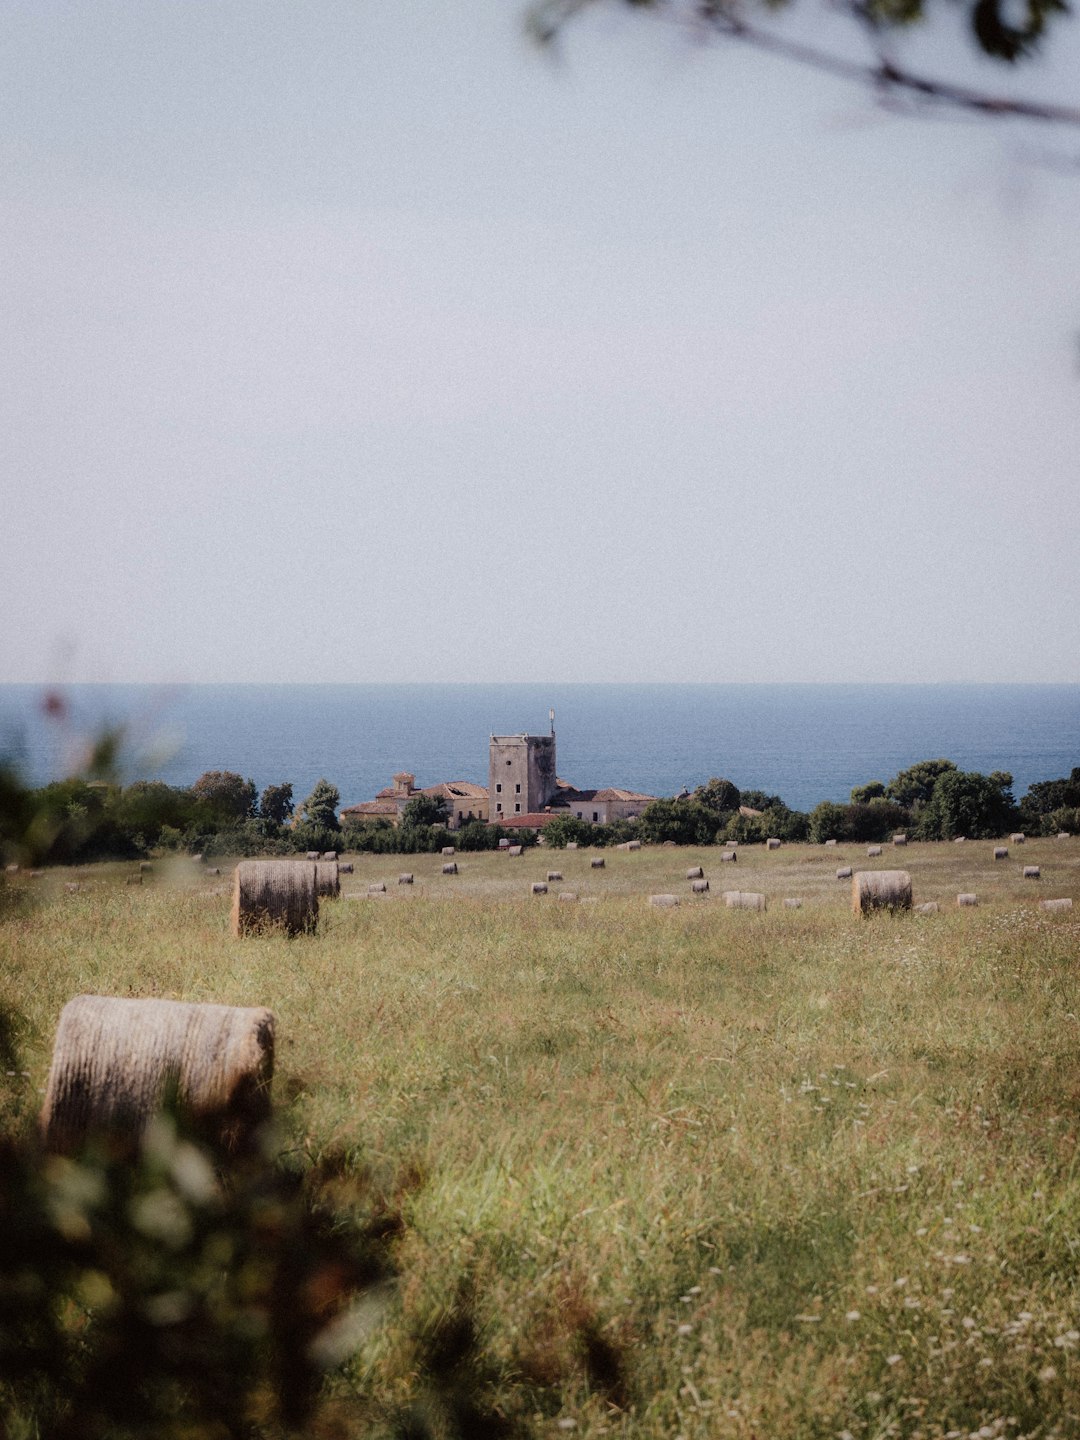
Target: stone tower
[(521, 774)]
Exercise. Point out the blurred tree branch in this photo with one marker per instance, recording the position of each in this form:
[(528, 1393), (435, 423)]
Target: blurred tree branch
[(993, 30)]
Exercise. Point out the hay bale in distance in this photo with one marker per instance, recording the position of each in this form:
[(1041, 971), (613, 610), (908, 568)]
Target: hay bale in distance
[(729, 857), (447, 850), (959, 839), (327, 881), (899, 838), (633, 844), (311, 855), (664, 902), (1056, 906), (792, 903), (699, 887), (873, 851), (880, 890), (133, 879), (1063, 835), (405, 878), (744, 900), (966, 900), (567, 894), (1001, 852), (516, 850), (145, 868), (1031, 872), (451, 868), (570, 845), (695, 872), (844, 872), (1017, 838), (597, 862), (554, 875), (772, 843), (377, 887), (539, 887), (830, 842), (928, 907), (328, 855), (116, 1060), (277, 893), (345, 867)]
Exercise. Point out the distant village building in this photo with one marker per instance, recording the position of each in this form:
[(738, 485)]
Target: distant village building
[(523, 791), (464, 801)]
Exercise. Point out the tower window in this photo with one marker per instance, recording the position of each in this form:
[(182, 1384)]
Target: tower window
[(517, 809), (498, 789), (517, 789)]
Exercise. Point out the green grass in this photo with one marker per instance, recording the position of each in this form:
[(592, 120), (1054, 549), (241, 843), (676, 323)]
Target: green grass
[(706, 1172)]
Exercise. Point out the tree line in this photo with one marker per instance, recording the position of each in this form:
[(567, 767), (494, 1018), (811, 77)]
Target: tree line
[(76, 820)]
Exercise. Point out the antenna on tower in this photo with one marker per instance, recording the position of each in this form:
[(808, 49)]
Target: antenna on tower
[(551, 717)]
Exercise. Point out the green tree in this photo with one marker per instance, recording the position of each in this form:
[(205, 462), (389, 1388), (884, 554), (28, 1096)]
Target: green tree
[(276, 803), (319, 810), (872, 790), (913, 788), (967, 803), (225, 796), (685, 821), (424, 810), (719, 795)]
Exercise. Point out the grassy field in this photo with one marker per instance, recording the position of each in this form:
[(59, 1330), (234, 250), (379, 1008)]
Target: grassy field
[(705, 1172)]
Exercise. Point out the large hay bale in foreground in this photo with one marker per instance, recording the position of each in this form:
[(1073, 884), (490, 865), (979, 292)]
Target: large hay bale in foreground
[(115, 1061), (1056, 907), (743, 900), (880, 890), (274, 893), (327, 879)]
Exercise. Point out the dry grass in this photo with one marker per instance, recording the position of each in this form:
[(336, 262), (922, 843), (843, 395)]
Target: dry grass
[(708, 1172)]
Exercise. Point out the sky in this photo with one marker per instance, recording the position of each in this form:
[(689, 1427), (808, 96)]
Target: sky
[(358, 340)]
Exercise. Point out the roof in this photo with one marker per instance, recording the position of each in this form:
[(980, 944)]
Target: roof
[(458, 790), (613, 794), (749, 812), (371, 807)]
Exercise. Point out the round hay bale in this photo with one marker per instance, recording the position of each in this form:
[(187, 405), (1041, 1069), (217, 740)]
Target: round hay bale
[(830, 842), (328, 855), (571, 845), (133, 880), (1056, 906), (772, 843), (450, 869), (792, 903), (743, 900), (1031, 872), (197, 858), (327, 881), (729, 857), (597, 862), (554, 875), (1017, 838), (695, 872), (1063, 835), (699, 887), (406, 878), (274, 893), (311, 855), (899, 839), (115, 1061), (633, 845), (516, 850), (873, 851), (880, 890), (1001, 852), (213, 870), (145, 868), (539, 888), (377, 888), (959, 839), (35, 874), (12, 869), (844, 872), (567, 894), (664, 902), (447, 850), (928, 907), (345, 867), (966, 900)]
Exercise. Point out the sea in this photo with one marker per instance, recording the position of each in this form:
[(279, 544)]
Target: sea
[(805, 743)]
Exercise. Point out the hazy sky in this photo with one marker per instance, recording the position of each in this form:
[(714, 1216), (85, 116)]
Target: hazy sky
[(355, 340)]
